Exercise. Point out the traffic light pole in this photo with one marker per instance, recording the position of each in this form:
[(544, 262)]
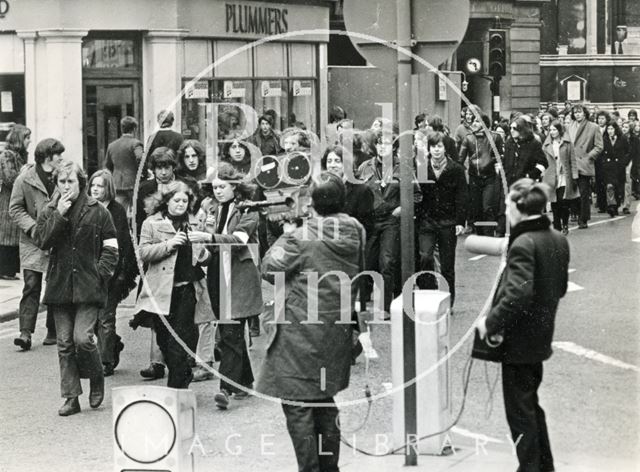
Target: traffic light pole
[(495, 98), (403, 8)]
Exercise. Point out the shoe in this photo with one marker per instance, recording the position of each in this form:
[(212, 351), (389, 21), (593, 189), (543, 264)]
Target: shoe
[(96, 391), (583, 225), (200, 374), (50, 339), (107, 370), (241, 395), (153, 372), (71, 407), (626, 211), (565, 230), (222, 399), (116, 352), (24, 341)]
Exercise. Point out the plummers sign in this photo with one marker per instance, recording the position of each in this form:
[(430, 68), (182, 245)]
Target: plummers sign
[(250, 19)]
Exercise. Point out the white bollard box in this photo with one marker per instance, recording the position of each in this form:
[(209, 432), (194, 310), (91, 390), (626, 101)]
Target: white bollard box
[(433, 387)]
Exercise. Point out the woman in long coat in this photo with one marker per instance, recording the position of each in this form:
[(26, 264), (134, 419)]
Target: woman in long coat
[(11, 161), (310, 362), (173, 285), (614, 158), (561, 175), (234, 262)]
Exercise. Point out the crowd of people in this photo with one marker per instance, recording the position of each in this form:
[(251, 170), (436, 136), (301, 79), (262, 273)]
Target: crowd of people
[(203, 253)]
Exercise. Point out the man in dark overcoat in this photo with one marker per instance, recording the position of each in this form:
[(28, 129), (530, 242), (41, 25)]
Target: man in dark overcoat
[(523, 313)]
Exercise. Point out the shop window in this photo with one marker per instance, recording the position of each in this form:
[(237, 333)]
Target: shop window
[(302, 60), (236, 118), (197, 56), (303, 104), (271, 97), (12, 101), (239, 62), (194, 110), (572, 27), (109, 54), (271, 60)]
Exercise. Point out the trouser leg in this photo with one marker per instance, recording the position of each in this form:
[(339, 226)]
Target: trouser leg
[(447, 242), (627, 188), (526, 419), (30, 301), (235, 364), (69, 375), (328, 431), (426, 246), (584, 185), (106, 331), (302, 431), (389, 261), (206, 342), (86, 341), (601, 198), (155, 353), (180, 318)]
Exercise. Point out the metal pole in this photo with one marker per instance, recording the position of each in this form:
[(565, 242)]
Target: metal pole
[(407, 236)]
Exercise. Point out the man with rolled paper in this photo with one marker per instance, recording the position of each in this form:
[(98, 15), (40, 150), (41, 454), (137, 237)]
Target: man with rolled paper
[(523, 313)]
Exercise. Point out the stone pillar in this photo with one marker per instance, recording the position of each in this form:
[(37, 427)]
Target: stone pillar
[(161, 78), (592, 28), (63, 105), (30, 88)]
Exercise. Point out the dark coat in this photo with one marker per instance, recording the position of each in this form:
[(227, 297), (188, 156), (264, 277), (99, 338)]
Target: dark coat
[(80, 264), (482, 158), (146, 188), (10, 164), (445, 199), (532, 284), (268, 145), (164, 137), (523, 158), (28, 199), (123, 280), (298, 351), (359, 204), (614, 159), (242, 273), (567, 157)]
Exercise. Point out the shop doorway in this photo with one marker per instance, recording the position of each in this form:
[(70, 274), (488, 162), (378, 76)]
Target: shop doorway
[(106, 102)]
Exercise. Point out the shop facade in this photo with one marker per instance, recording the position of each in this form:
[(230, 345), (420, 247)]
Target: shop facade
[(74, 69)]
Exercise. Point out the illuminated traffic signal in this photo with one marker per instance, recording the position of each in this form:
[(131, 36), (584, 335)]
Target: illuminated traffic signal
[(497, 52)]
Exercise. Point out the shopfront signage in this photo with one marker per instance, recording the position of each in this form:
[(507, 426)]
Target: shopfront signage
[(198, 90), (251, 19), (234, 89), (271, 88), (4, 8), (302, 88)]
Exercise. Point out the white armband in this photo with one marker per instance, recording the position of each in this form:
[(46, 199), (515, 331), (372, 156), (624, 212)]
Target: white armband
[(242, 236), (111, 242)]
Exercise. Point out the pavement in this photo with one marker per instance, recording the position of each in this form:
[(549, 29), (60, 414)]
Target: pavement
[(10, 293)]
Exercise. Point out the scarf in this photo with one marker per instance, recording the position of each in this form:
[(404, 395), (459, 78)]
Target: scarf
[(223, 215)]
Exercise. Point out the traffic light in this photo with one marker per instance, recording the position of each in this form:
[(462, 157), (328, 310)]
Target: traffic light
[(497, 52)]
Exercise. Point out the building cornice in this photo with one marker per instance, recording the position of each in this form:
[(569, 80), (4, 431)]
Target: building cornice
[(598, 60)]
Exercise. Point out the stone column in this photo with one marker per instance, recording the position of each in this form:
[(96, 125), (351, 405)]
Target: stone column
[(30, 88), (161, 77), (63, 105)]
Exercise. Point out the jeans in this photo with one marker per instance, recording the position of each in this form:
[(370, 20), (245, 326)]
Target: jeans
[(78, 352), (584, 202), (483, 203), (560, 209), (30, 303), (106, 330), (180, 318), (431, 233), (315, 434), (206, 342), (234, 357), (526, 418), (600, 187), (383, 255)]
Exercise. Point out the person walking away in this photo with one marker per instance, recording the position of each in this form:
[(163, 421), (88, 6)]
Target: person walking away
[(32, 191), (165, 136), (84, 253), (587, 143), (615, 158), (523, 312), (233, 279), (102, 188), (602, 120), (173, 284), (12, 159), (123, 158), (561, 176), (307, 364)]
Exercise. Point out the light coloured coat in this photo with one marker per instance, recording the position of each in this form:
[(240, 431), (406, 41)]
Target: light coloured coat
[(567, 156), (28, 199), (587, 143), (157, 285)]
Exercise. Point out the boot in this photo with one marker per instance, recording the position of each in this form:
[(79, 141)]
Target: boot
[(96, 391), (119, 346), (71, 407), (153, 372), (50, 339), (24, 340)]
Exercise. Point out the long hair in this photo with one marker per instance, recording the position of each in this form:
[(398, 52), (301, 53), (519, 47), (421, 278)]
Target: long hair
[(225, 171), (107, 179), (182, 169), (16, 138), (617, 130), (524, 128), (158, 201)]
